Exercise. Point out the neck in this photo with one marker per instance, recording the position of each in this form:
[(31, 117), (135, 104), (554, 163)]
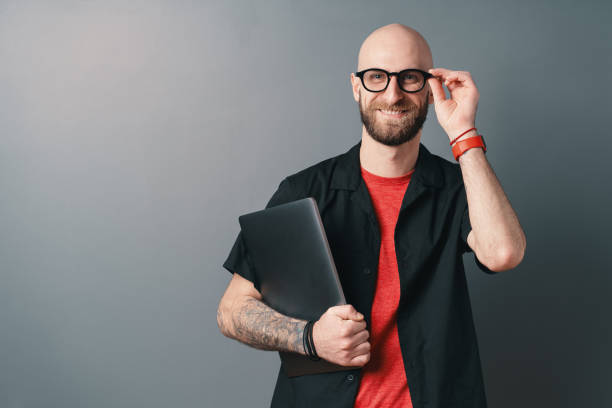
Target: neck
[(388, 161)]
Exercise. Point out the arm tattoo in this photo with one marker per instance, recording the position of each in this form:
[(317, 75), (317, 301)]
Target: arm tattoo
[(258, 325)]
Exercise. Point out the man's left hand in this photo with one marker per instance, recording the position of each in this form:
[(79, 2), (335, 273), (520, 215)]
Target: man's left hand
[(458, 113)]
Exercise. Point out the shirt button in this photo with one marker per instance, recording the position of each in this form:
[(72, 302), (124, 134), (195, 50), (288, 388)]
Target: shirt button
[(350, 377), (366, 271)]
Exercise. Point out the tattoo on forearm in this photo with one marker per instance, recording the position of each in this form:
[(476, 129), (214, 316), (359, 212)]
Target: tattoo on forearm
[(262, 327)]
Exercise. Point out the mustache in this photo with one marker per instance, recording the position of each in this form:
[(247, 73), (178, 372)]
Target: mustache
[(411, 107)]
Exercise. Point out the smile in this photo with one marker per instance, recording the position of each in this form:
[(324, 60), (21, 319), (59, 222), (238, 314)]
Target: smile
[(393, 114)]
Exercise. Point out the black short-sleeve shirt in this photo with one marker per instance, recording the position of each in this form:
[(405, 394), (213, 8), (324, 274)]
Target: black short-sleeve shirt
[(434, 318)]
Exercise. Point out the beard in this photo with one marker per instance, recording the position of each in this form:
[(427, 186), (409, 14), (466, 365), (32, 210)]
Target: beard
[(398, 131)]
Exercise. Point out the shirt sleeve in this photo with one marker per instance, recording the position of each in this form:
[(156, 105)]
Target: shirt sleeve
[(238, 260), (466, 227)]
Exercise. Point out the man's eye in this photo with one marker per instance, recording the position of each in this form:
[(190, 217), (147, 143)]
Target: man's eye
[(410, 78), (377, 76)]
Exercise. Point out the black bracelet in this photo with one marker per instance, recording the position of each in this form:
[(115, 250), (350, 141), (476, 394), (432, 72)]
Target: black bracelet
[(304, 336), (309, 340), (307, 336), (313, 351)]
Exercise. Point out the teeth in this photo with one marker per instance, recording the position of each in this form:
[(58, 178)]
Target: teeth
[(390, 112)]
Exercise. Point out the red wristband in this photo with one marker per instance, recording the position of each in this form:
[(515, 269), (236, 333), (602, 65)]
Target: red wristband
[(455, 139), (465, 145)]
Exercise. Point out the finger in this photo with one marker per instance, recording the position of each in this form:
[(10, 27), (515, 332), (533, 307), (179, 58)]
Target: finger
[(360, 360), (458, 76), (363, 348), (356, 327), (440, 72), (357, 340), (436, 90), (361, 337), (448, 75), (347, 312)]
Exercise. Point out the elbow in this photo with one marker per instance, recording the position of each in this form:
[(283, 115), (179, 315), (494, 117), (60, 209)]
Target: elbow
[(509, 257), (223, 321), (220, 323)]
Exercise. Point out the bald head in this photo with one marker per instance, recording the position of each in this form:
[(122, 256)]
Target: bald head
[(395, 47)]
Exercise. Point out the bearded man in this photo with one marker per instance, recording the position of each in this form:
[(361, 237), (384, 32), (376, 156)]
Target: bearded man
[(398, 220)]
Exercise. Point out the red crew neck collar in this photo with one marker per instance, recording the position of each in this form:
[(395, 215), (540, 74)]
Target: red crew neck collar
[(386, 180)]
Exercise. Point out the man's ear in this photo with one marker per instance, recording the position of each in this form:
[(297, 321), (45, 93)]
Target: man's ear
[(355, 86)]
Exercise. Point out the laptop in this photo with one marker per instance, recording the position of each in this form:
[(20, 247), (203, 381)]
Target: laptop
[(293, 263)]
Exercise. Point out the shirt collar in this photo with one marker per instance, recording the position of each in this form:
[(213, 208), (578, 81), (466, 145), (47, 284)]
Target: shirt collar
[(347, 173)]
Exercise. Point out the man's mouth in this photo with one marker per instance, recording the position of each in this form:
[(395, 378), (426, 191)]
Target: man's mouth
[(393, 113)]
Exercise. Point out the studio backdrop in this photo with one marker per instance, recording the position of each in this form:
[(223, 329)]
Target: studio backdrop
[(133, 134)]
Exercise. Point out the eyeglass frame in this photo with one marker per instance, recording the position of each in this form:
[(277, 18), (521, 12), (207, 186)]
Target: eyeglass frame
[(426, 76)]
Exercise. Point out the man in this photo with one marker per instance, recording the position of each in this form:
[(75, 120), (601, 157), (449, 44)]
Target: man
[(398, 220)]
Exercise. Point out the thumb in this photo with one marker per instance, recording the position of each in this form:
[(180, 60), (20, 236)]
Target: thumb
[(348, 312), (436, 90)]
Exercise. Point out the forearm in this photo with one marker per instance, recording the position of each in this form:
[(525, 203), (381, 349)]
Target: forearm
[(496, 227), (254, 323)]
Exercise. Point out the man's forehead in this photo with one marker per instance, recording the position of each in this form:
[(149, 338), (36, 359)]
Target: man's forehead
[(393, 59), (395, 47)]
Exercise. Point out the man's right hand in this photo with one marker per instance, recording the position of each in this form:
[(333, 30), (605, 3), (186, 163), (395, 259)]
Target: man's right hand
[(340, 336)]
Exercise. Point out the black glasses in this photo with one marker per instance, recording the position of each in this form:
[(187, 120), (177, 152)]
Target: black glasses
[(409, 80)]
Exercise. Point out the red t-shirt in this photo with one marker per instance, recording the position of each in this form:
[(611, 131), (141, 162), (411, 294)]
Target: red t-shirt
[(383, 382)]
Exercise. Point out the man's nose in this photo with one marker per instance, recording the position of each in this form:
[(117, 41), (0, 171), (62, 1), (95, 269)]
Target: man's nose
[(393, 93)]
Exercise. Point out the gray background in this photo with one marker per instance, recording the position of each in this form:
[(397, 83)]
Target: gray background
[(134, 133)]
